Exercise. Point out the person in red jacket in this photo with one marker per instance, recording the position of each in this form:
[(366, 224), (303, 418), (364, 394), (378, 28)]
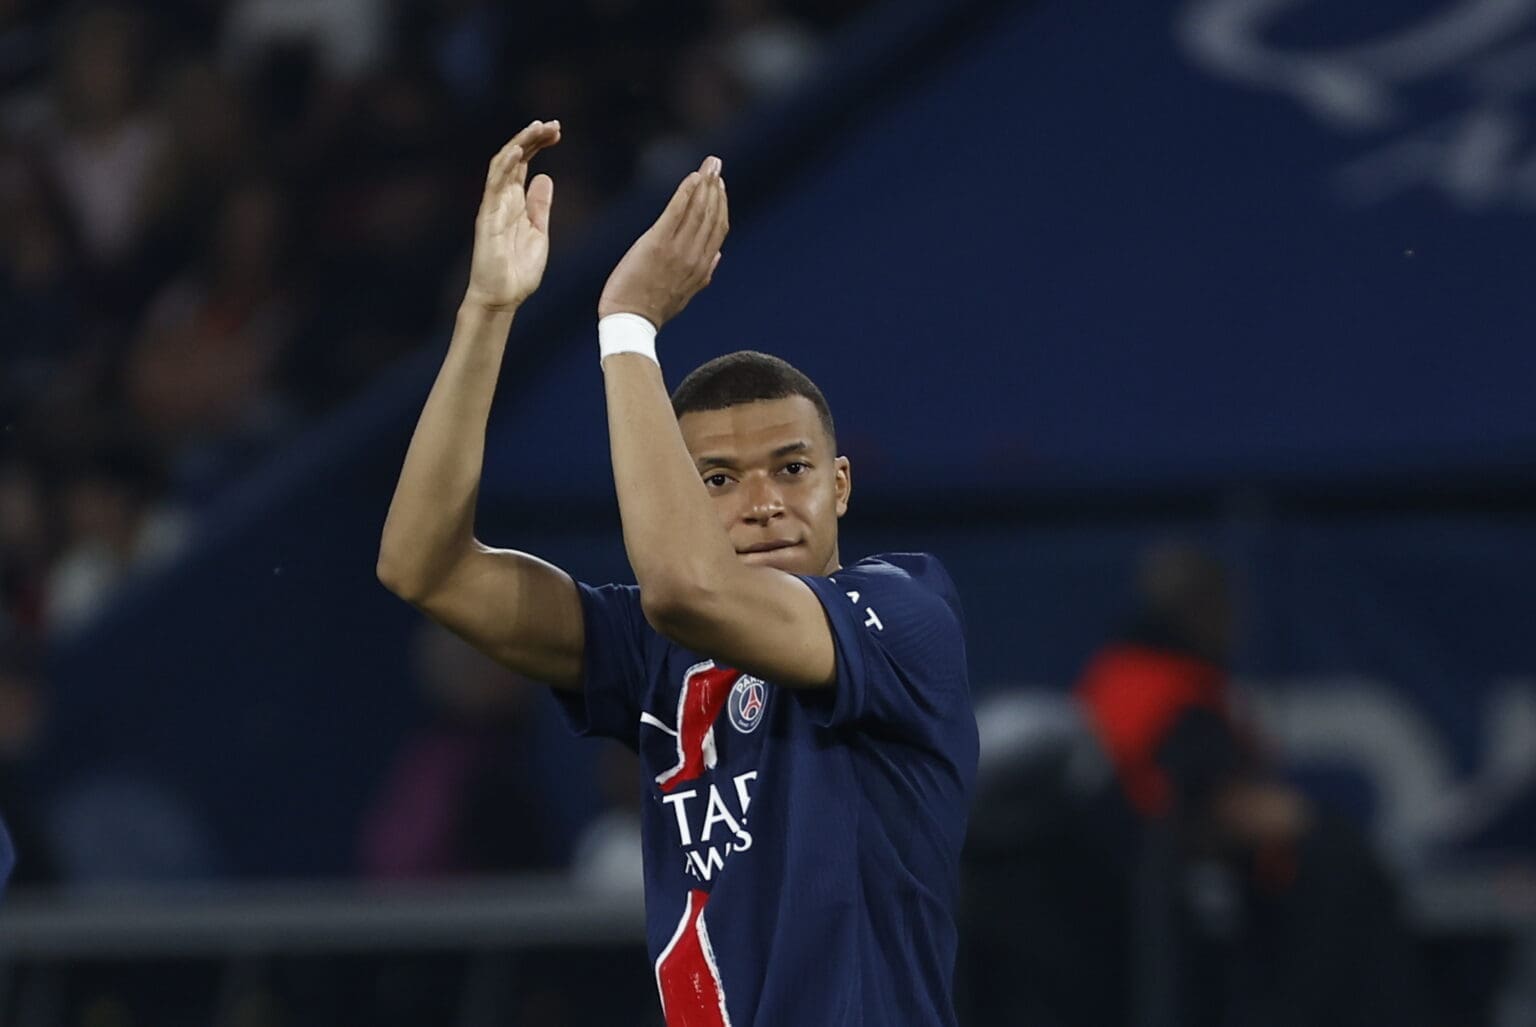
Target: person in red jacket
[(1248, 904), (1158, 697)]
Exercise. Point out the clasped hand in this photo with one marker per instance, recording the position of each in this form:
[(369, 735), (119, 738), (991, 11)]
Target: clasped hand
[(666, 267)]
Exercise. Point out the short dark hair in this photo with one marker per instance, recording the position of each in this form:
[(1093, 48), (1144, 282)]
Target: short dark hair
[(748, 376)]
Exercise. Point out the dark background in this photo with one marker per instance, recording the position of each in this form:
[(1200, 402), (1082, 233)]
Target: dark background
[(1075, 277)]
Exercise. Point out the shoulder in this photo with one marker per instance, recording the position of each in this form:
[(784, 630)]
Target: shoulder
[(906, 600), (626, 596), (613, 616), (916, 577)]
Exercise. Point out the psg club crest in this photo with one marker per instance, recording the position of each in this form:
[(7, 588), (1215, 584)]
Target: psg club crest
[(748, 699)]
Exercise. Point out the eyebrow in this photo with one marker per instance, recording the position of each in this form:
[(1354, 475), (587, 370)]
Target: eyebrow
[(709, 462)]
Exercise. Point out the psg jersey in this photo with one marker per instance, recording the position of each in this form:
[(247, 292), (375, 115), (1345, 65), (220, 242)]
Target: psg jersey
[(801, 846)]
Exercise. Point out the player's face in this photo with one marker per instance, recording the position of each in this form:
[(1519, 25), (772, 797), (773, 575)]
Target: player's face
[(776, 483)]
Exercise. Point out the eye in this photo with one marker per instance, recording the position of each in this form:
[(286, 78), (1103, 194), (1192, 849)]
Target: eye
[(796, 468), (716, 481)]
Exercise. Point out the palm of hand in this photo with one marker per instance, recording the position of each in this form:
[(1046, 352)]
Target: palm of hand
[(640, 283), (676, 257), (510, 254), (512, 228)]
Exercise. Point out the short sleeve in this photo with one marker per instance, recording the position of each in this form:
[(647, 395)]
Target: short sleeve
[(613, 665), (901, 666)]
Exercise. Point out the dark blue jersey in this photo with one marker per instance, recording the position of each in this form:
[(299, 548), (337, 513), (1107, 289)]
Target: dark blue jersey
[(801, 846)]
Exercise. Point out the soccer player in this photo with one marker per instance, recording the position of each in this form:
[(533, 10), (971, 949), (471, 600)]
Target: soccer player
[(805, 728)]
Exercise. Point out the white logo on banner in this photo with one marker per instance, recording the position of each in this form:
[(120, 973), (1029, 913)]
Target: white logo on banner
[(1482, 155), (1423, 801)]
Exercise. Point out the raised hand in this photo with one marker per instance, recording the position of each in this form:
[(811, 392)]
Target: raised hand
[(512, 229), (676, 257)]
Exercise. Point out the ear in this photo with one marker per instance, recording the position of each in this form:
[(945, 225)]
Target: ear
[(842, 484)]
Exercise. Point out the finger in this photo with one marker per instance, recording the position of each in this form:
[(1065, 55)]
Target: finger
[(504, 197), (712, 265), (547, 135), (541, 194), (517, 173), (539, 135), (509, 166), (677, 207), (696, 212), (698, 230), (711, 215), (495, 209), (497, 166), (722, 223)]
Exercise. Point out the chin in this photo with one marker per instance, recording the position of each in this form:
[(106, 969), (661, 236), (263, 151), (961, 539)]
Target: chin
[(790, 559)]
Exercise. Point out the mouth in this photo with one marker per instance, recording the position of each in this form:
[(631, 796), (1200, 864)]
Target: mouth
[(768, 547)]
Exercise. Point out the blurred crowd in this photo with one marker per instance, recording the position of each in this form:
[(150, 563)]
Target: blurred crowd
[(219, 219)]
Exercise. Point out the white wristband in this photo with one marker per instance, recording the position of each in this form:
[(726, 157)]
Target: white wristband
[(626, 333)]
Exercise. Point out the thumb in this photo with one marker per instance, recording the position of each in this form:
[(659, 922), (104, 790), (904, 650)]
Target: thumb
[(541, 194)]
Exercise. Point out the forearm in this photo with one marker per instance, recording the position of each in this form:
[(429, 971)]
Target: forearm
[(673, 536), (694, 588), (431, 518)]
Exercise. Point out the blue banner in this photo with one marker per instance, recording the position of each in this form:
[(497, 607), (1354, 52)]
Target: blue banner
[(1140, 242)]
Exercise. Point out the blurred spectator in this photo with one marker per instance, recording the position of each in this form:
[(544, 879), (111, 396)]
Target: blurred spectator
[(466, 40), (7, 857), (463, 794), (392, 221), (117, 825), (40, 284), (25, 550), (348, 37), (1158, 695), (23, 46), (768, 49), (199, 378), (22, 717), (705, 91), (1045, 913), (1243, 889), (608, 851), (1197, 889), (210, 147), (101, 140), (111, 529)]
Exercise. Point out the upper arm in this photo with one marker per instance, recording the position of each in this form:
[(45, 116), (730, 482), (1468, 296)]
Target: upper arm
[(899, 638), (757, 619), (523, 612), (888, 639)]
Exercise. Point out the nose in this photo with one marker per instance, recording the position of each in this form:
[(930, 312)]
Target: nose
[(764, 501)]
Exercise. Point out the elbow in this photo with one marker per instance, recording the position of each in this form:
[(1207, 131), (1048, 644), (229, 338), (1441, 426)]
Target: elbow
[(399, 577), (391, 577), (675, 605)]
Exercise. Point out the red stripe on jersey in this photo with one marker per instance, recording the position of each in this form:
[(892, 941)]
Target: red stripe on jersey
[(705, 690), (686, 974)]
